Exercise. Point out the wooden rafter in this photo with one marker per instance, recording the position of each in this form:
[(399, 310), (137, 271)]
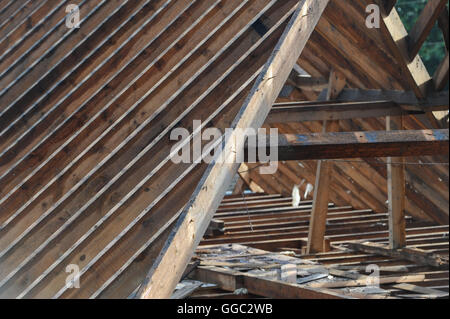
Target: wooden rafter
[(444, 26), (424, 25), (168, 268), (170, 54), (396, 38), (440, 78)]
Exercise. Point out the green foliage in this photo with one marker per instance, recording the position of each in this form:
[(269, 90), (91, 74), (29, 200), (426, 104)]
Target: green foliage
[(433, 50)]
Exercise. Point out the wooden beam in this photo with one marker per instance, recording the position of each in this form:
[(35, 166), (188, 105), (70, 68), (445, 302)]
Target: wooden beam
[(278, 289), (311, 83), (435, 101), (444, 25), (362, 282), (440, 77), (231, 280), (396, 192), (412, 103), (428, 292), (317, 224), (389, 5), (355, 103), (194, 220), (417, 256), (396, 37), (336, 84), (317, 146), (423, 26), (334, 111)]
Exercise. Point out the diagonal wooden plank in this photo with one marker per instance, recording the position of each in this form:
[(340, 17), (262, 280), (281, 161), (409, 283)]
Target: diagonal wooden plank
[(440, 77), (396, 36), (424, 25), (169, 266), (389, 5), (443, 25)]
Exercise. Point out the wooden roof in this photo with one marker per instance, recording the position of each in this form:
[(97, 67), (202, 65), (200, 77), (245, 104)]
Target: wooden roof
[(86, 114), (342, 42)]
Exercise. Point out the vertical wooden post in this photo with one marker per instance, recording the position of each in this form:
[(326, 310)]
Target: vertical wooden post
[(396, 192), (317, 224)]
